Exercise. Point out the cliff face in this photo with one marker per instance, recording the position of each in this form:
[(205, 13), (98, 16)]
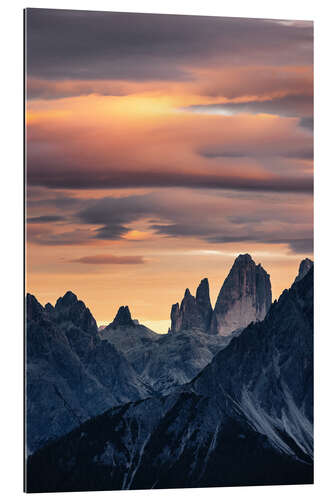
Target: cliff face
[(244, 297), (194, 313)]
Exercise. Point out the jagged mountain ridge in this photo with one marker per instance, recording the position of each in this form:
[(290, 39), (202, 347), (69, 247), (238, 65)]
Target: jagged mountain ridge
[(245, 296), (71, 374), (160, 363), (176, 358), (246, 419)]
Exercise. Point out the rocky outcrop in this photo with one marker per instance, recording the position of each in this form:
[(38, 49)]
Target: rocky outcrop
[(244, 297), (194, 313), (304, 268), (123, 318)]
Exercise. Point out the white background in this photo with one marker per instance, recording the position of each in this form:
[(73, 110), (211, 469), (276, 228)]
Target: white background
[(11, 247)]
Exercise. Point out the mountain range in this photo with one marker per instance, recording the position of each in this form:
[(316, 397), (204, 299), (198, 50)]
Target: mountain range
[(71, 373), (225, 398)]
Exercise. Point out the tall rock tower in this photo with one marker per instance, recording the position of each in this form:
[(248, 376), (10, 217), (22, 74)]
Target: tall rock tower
[(202, 299), (244, 297), (194, 313)]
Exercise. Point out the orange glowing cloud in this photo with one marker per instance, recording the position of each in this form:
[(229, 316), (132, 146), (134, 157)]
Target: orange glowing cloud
[(135, 235), (118, 143)]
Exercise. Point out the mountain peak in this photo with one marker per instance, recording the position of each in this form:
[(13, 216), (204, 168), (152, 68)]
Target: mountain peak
[(67, 300), (69, 308), (34, 308), (203, 284), (49, 308), (203, 291), (244, 297), (123, 318), (304, 268), (243, 258)]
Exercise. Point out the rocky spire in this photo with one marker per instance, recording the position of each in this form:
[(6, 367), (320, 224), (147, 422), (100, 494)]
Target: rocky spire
[(194, 313), (203, 302), (122, 318), (176, 321), (304, 268), (244, 297)]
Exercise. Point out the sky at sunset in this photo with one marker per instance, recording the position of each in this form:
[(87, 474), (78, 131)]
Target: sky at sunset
[(159, 148)]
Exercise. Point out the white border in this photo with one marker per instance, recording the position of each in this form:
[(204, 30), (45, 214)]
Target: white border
[(11, 241)]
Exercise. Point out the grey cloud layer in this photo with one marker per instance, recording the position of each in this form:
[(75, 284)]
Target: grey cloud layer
[(43, 219), (180, 220), (268, 151), (59, 176), (103, 45), (206, 219), (113, 214)]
